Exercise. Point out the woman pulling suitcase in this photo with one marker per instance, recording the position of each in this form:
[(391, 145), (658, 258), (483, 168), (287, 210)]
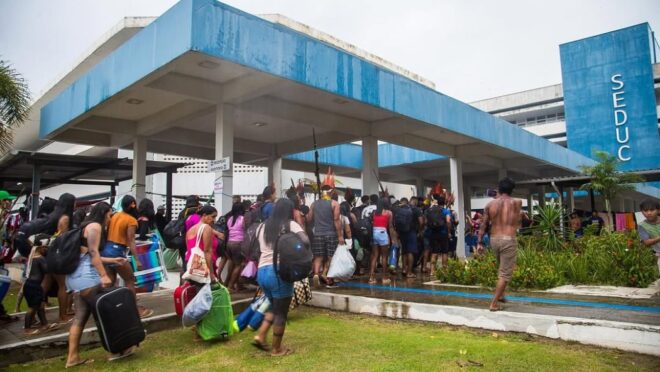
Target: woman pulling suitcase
[(89, 278)]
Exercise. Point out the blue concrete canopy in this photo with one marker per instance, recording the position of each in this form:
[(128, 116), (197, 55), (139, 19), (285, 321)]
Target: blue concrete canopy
[(350, 156), (217, 30)]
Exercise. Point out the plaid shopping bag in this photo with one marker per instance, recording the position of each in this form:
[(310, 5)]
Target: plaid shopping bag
[(302, 293)]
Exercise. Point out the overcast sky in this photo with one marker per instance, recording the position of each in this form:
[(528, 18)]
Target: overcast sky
[(470, 49)]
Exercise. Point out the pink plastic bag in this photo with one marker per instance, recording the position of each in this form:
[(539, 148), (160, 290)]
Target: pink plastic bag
[(250, 270)]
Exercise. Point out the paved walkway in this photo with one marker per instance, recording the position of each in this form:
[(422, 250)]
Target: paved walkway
[(641, 311)]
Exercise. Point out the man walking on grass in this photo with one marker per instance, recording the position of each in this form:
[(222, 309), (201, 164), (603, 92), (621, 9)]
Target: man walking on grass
[(503, 216)]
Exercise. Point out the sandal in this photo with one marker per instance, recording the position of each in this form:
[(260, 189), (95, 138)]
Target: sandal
[(411, 276), (126, 353), (145, 313), (260, 345), (498, 308), (80, 363), (32, 332), (372, 281), (284, 352)]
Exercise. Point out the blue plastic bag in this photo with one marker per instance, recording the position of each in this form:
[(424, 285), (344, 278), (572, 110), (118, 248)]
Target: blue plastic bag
[(394, 257)]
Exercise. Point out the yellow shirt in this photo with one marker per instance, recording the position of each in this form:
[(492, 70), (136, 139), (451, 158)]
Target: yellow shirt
[(119, 224)]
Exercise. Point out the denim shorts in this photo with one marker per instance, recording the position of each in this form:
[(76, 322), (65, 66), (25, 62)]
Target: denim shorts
[(380, 237), (273, 286), (113, 250), (84, 277)]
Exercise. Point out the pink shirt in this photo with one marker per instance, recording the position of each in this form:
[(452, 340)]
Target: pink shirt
[(235, 229), (190, 244)]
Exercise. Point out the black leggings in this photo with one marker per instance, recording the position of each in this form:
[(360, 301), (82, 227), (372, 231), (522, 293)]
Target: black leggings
[(280, 310)]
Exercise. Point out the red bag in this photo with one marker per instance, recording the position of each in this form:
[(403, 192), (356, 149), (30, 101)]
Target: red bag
[(183, 295)]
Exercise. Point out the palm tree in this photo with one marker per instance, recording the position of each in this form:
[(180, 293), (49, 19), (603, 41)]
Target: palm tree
[(606, 180), (14, 104)]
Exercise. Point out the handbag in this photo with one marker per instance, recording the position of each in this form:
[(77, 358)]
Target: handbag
[(250, 270), (197, 270), (302, 293)]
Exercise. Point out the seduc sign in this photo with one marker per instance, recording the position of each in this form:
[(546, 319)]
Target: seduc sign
[(620, 118)]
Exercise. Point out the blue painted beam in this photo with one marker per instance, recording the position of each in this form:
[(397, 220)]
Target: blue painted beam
[(350, 156)]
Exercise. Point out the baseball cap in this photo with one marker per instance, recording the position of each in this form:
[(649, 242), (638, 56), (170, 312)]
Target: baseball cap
[(4, 195)]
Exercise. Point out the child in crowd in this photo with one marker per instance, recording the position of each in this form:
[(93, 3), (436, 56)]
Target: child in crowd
[(32, 290), (649, 229)]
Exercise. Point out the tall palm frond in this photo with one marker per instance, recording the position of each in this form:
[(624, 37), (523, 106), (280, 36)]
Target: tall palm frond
[(14, 104)]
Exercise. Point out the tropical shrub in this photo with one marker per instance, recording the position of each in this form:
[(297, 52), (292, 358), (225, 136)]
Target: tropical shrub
[(611, 258)]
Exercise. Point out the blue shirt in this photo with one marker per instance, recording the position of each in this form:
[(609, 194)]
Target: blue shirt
[(266, 210)]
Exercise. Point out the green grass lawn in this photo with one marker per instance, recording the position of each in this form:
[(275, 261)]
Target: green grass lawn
[(9, 302), (325, 340)]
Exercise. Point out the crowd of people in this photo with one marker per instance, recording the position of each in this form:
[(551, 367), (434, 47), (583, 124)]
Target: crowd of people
[(388, 238)]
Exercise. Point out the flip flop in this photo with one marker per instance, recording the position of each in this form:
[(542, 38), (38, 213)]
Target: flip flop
[(260, 345), (499, 308), (80, 363), (284, 352), (52, 327), (32, 332), (145, 313), (126, 353)]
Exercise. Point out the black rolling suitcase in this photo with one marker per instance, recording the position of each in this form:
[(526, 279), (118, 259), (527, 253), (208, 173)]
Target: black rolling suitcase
[(117, 319)]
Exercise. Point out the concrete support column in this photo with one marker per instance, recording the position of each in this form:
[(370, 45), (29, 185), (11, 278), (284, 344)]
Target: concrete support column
[(369, 165), (419, 186), (467, 199), (275, 172), (541, 196), (456, 175), (530, 204), (571, 199), (139, 167), (168, 196), (223, 187), (36, 187)]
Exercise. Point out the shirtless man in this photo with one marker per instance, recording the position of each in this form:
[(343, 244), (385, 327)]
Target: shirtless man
[(503, 216)]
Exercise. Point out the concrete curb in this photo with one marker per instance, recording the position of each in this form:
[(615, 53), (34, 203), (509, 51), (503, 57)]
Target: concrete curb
[(640, 338)]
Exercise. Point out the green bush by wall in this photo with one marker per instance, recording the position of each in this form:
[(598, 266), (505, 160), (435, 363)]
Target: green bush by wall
[(612, 258)]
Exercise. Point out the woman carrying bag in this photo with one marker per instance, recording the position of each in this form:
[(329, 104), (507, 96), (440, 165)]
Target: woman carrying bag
[(277, 290)]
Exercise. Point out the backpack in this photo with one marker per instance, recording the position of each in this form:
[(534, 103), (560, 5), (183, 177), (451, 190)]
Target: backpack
[(292, 259), (42, 225), (173, 233), (435, 219), (64, 253), (403, 219), (250, 245)]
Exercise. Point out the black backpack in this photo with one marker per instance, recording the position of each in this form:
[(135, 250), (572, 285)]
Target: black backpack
[(173, 233), (292, 259), (250, 245), (435, 219), (64, 253), (403, 219), (42, 225)]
